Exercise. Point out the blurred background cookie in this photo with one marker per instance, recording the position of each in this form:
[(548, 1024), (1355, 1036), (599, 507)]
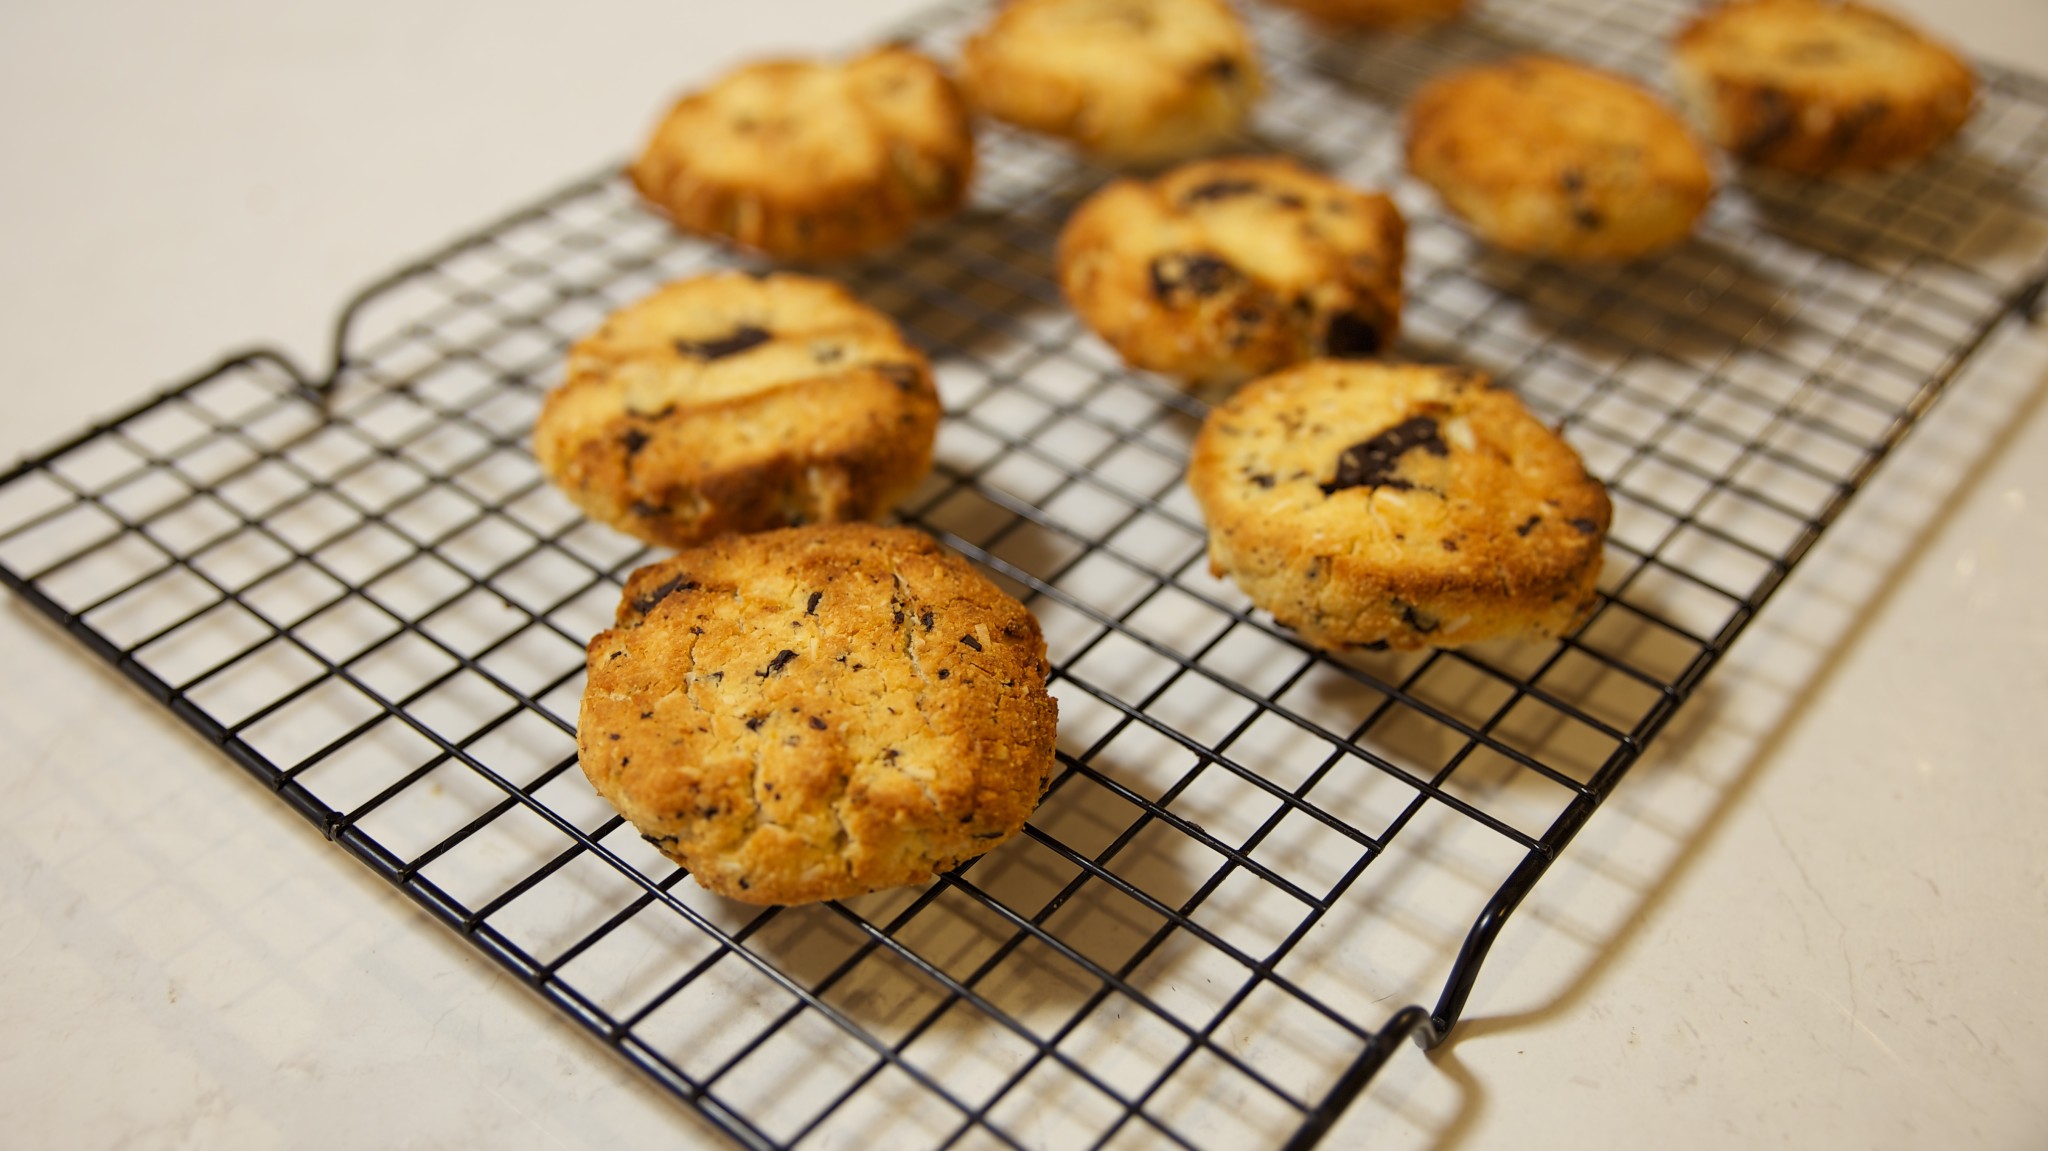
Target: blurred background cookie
[(1398, 505), (809, 160), (1125, 81), (1550, 158), (818, 712), (1377, 13), (730, 403), (1815, 86), (1221, 270)]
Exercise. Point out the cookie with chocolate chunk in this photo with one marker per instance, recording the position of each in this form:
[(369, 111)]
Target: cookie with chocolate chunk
[(1125, 81), (1819, 86), (1221, 270), (1398, 505), (730, 403), (812, 160), (818, 712), (1377, 13), (1550, 158)]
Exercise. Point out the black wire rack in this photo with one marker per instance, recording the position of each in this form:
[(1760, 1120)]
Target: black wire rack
[(359, 587)]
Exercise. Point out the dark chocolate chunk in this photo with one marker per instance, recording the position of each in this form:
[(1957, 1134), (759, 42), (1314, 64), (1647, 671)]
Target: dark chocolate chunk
[(1219, 190), (1583, 526), (889, 754), (1416, 618), (926, 618), (1351, 336), (904, 376), (754, 722), (970, 641), (1450, 545), (1223, 68), (1371, 463), (1194, 273), (743, 337), (775, 665), (817, 724), (1587, 218), (811, 605), (1528, 525), (1261, 479), (1773, 127), (633, 441), (662, 591), (945, 673)]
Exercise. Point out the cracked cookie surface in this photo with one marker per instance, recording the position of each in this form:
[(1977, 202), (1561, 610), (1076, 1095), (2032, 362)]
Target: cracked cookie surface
[(1398, 505), (818, 712), (1819, 87), (1125, 81), (813, 160), (734, 403), (1549, 158), (1221, 270)]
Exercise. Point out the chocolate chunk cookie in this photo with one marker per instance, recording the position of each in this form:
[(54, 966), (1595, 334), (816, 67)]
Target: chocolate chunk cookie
[(1221, 270), (1398, 505), (1125, 81), (1377, 13), (1817, 86), (1550, 158), (818, 712), (729, 403), (807, 160)]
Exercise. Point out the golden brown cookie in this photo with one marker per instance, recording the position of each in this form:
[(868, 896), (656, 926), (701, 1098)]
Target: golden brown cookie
[(1125, 81), (730, 403), (1377, 13), (1221, 270), (1817, 86), (1550, 158), (818, 712), (1398, 505), (806, 160)]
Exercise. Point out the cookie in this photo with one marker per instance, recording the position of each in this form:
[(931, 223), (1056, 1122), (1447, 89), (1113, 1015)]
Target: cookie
[(1221, 270), (1377, 13), (1125, 81), (1550, 158), (1398, 505), (807, 160), (730, 403), (818, 712), (1817, 87)]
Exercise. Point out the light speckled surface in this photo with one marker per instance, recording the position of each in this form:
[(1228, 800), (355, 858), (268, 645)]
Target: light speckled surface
[(1810, 917)]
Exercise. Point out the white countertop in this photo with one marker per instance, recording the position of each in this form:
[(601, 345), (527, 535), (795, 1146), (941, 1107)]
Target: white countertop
[(1811, 916)]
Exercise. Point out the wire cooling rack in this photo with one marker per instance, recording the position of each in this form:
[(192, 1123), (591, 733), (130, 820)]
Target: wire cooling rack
[(360, 588)]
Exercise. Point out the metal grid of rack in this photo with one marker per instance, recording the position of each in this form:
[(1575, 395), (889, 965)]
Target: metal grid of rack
[(361, 589)]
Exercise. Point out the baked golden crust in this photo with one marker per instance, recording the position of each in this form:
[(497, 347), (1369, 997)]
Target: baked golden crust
[(1398, 505), (807, 160), (1126, 81), (1221, 270), (1818, 86), (1550, 158), (818, 712), (729, 403), (1378, 13)]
